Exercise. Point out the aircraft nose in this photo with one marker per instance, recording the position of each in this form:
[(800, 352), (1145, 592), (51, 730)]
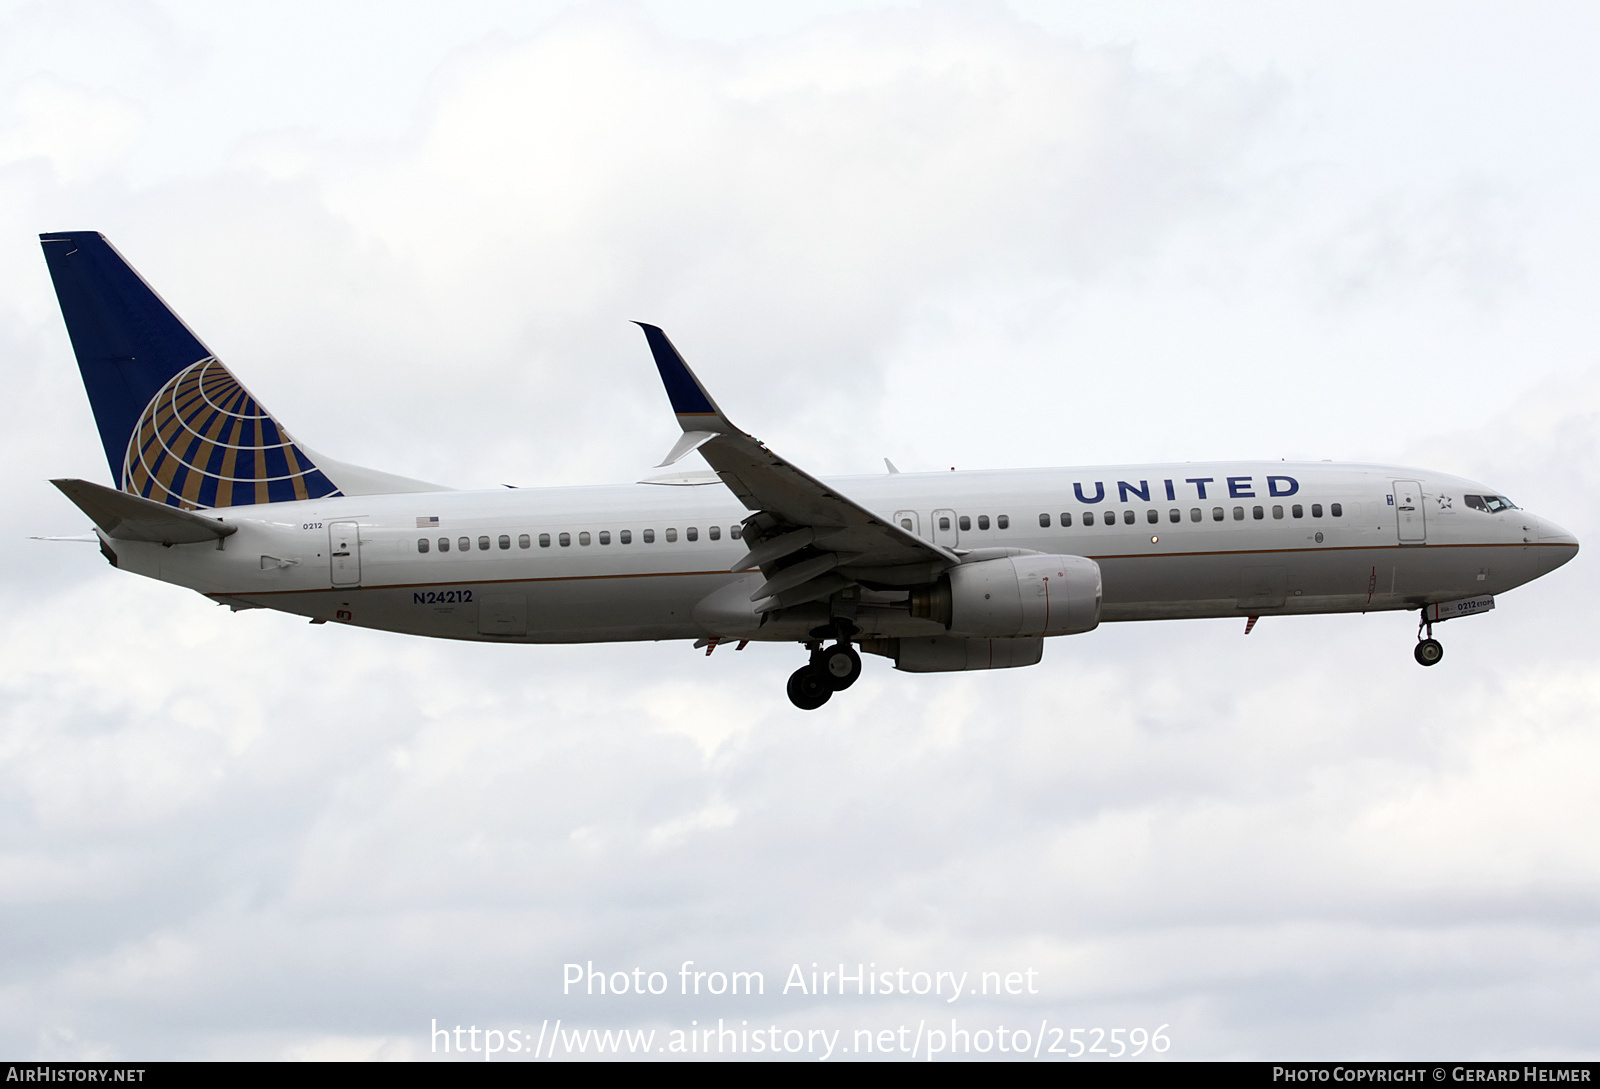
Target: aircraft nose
[(1559, 545)]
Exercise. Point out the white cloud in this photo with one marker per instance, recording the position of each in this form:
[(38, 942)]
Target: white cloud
[(242, 835), (76, 131)]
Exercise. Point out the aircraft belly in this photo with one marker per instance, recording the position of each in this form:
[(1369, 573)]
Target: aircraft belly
[(1303, 582), (549, 611), (661, 605)]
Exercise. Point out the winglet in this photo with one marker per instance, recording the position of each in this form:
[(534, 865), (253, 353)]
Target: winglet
[(690, 401), (689, 442)]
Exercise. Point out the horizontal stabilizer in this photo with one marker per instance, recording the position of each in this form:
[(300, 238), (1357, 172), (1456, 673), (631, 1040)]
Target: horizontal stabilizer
[(128, 517)]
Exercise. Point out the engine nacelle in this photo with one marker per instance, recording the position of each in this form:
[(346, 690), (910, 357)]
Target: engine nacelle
[(1023, 595)]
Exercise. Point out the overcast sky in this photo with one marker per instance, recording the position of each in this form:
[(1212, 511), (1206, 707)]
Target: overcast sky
[(970, 234)]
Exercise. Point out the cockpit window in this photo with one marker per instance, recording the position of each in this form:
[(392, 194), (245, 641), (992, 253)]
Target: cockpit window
[(1493, 504)]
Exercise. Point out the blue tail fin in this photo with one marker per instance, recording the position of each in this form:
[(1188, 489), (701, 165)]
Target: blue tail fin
[(176, 425)]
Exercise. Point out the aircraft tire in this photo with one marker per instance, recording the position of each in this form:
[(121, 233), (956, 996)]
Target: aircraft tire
[(809, 688), (1429, 652), (840, 665)]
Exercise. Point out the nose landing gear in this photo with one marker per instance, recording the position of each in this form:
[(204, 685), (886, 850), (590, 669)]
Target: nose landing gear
[(1429, 651), (830, 670)]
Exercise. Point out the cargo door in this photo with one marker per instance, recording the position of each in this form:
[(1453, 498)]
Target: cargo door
[(1263, 587), (344, 553), (1409, 512), (502, 614)]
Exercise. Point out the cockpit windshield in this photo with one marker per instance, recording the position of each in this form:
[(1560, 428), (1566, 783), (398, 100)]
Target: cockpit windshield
[(1493, 504)]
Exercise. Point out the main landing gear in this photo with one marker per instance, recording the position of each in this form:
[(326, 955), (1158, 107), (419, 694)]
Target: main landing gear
[(1429, 651), (831, 669)]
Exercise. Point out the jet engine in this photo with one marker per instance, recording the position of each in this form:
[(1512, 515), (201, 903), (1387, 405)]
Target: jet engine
[(1019, 595)]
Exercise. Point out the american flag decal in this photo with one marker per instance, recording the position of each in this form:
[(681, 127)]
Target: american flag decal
[(428, 523)]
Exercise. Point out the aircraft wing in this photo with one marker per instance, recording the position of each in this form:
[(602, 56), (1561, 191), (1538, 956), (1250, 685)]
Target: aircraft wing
[(128, 517), (807, 538)]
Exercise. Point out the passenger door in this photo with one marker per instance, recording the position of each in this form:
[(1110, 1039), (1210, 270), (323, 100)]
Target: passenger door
[(1410, 515), (344, 553)]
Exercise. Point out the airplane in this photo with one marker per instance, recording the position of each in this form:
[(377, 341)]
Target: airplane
[(936, 571)]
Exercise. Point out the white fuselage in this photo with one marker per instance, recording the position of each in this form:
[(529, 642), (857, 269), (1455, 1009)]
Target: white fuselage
[(1163, 550)]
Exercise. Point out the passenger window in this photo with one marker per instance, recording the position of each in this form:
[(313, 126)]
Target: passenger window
[(444, 544), (1277, 510), (465, 544), (1152, 516), (1127, 517), (1044, 521), (524, 541), (1257, 513), (1111, 517), (649, 536), (1174, 515), (672, 535), (565, 539), (1194, 514), (944, 521), (715, 532), (1336, 509), (1002, 522), (605, 536), (692, 533), (1216, 514), (583, 538), (505, 540), (1316, 510), (1298, 511), (735, 532), (1066, 519), (544, 540), (1088, 517), (626, 536), (983, 521), (1238, 514), (965, 522), (422, 544)]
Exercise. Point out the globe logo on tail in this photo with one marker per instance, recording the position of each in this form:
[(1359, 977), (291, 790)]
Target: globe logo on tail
[(204, 441)]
